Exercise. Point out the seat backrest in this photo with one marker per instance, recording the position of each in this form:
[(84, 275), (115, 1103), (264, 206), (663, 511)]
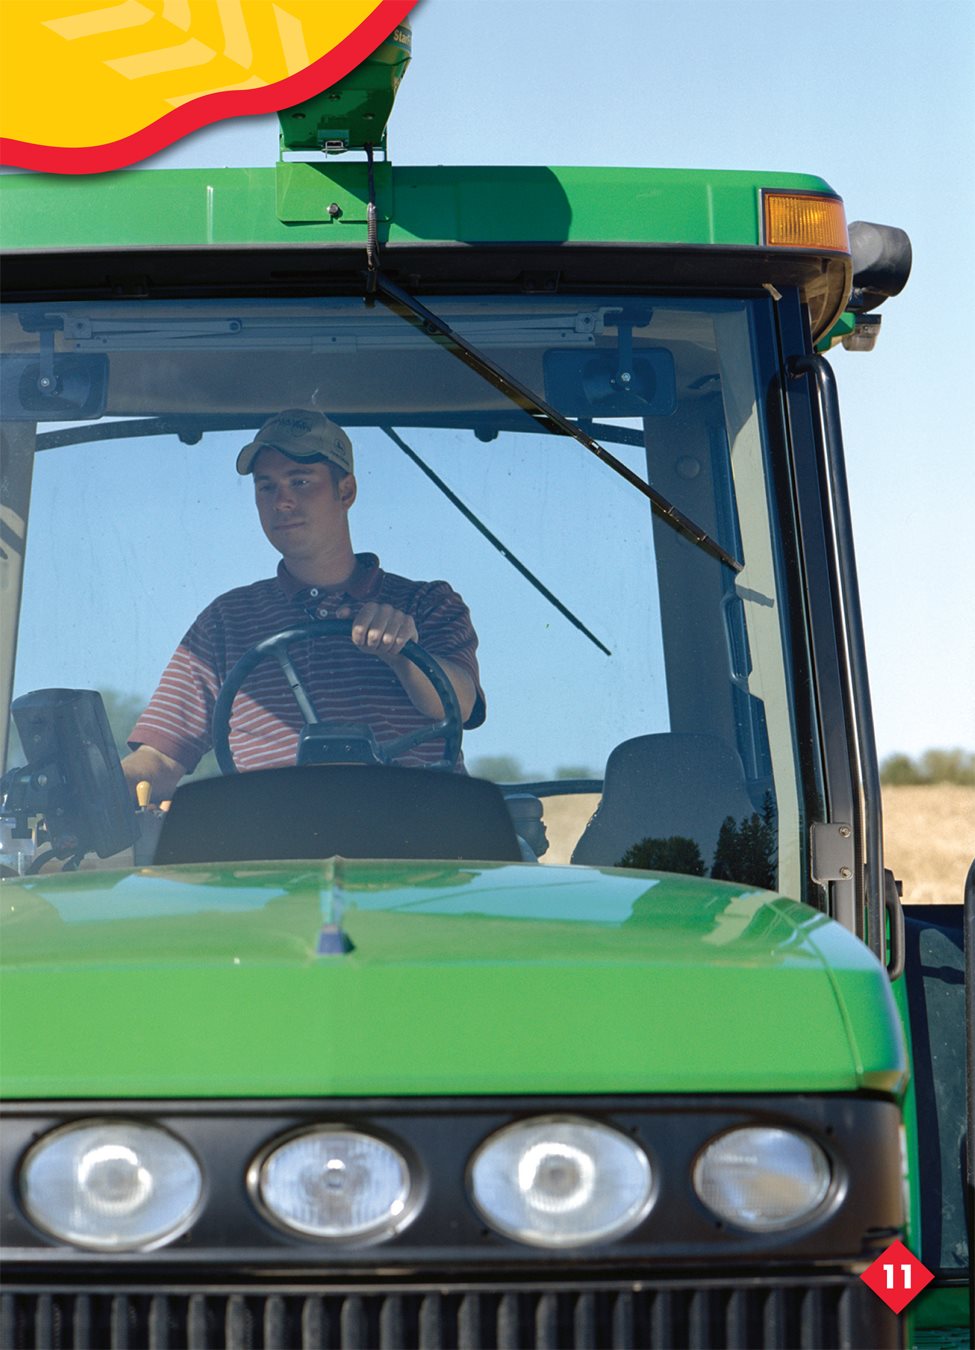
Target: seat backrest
[(320, 810), (675, 783)]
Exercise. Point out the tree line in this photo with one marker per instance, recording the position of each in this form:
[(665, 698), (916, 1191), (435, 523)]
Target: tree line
[(897, 770), (933, 766)]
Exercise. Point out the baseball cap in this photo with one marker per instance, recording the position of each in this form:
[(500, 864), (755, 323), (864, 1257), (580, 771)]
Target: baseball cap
[(302, 435)]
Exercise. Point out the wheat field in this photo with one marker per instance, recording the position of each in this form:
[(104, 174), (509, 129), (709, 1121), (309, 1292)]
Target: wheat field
[(929, 840), (929, 837)]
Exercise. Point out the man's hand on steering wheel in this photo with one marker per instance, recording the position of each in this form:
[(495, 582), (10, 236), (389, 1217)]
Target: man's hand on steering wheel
[(380, 630), (383, 631)]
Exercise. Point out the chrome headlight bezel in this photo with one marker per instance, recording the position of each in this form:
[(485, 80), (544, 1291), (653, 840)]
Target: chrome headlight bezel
[(379, 1231), (115, 1127), (821, 1196), (645, 1176)]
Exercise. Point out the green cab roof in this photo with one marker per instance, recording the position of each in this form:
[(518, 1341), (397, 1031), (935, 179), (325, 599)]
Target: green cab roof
[(290, 203), (347, 978), (679, 227)]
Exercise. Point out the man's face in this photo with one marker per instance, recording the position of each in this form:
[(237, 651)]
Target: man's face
[(301, 508)]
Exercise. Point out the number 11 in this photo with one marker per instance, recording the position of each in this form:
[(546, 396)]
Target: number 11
[(905, 1271)]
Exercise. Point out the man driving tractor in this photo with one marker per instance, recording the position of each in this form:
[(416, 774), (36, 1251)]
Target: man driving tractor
[(304, 483)]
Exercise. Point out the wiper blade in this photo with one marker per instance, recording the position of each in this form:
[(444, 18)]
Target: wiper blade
[(493, 539), (409, 308), (189, 430)]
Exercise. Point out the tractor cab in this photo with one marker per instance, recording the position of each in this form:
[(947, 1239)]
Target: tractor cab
[(560, 1002), (602, 496)]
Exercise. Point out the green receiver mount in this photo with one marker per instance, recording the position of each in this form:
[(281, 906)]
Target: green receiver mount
[(354, 112)]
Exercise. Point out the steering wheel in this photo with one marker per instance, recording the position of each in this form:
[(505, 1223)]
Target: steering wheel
[(449, 727)]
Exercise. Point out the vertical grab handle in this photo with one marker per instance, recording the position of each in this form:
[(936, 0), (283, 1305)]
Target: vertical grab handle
[(866, 773), (969, 921), (736, 640), (895, 926)]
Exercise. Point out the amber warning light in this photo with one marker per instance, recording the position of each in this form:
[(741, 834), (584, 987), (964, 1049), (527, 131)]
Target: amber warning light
[(805, 220)]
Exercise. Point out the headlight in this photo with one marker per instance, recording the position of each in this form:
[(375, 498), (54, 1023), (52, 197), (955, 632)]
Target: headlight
[(336, 1183), (561, 1182), (761, 1178), (111, 1185)]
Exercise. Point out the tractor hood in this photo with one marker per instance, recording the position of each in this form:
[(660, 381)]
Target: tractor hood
[(368, 978)]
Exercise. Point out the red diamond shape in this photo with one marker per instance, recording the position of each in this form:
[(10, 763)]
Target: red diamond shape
[(897, 1276)]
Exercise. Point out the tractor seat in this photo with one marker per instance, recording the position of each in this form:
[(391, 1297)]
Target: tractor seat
[(674, 783)]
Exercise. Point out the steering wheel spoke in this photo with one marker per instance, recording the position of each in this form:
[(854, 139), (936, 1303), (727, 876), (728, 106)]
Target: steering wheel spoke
[(449, 727), (305, 705), (393, 749)]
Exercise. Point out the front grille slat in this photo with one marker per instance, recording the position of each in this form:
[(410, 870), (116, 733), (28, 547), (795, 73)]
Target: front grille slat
[(276, 1325), (547, 1323), (44, 1320), (7, 1319), (469, 1334), (843, 1320), (353, 1324), (584, 1322), (508, 1330), (756, 1313), (736, 1320), (81, 1323), (122, 1315), (775, 1322), (159, 1323), (431, 1335), (662, 1319), (703, 1327), (196, 1324), (813, 1320), (236, 1323), (392, 1328), (313, 1324)]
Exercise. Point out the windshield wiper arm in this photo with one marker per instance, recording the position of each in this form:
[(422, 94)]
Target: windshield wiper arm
[(505, 552), (401, 302)]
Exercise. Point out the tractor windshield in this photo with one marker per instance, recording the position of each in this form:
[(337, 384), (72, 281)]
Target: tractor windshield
[(619, 664)]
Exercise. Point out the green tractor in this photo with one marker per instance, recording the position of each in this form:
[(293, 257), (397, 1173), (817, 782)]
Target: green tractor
[(584, 1011)]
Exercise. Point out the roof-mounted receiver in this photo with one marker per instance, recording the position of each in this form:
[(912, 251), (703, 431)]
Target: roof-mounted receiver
[(354, 112)]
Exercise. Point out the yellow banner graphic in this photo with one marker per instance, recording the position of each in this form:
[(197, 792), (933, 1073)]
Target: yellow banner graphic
[(87, 85)]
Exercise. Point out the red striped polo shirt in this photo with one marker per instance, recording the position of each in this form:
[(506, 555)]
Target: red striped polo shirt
[(344, 683)]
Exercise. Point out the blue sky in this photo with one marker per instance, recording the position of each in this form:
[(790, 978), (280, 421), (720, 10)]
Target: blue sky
[(877, 97)]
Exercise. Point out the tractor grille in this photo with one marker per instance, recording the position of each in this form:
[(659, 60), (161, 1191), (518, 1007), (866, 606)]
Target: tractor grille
[(814, 1312)]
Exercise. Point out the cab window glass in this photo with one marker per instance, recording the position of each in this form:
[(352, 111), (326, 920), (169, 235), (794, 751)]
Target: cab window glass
[(605, 637)]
